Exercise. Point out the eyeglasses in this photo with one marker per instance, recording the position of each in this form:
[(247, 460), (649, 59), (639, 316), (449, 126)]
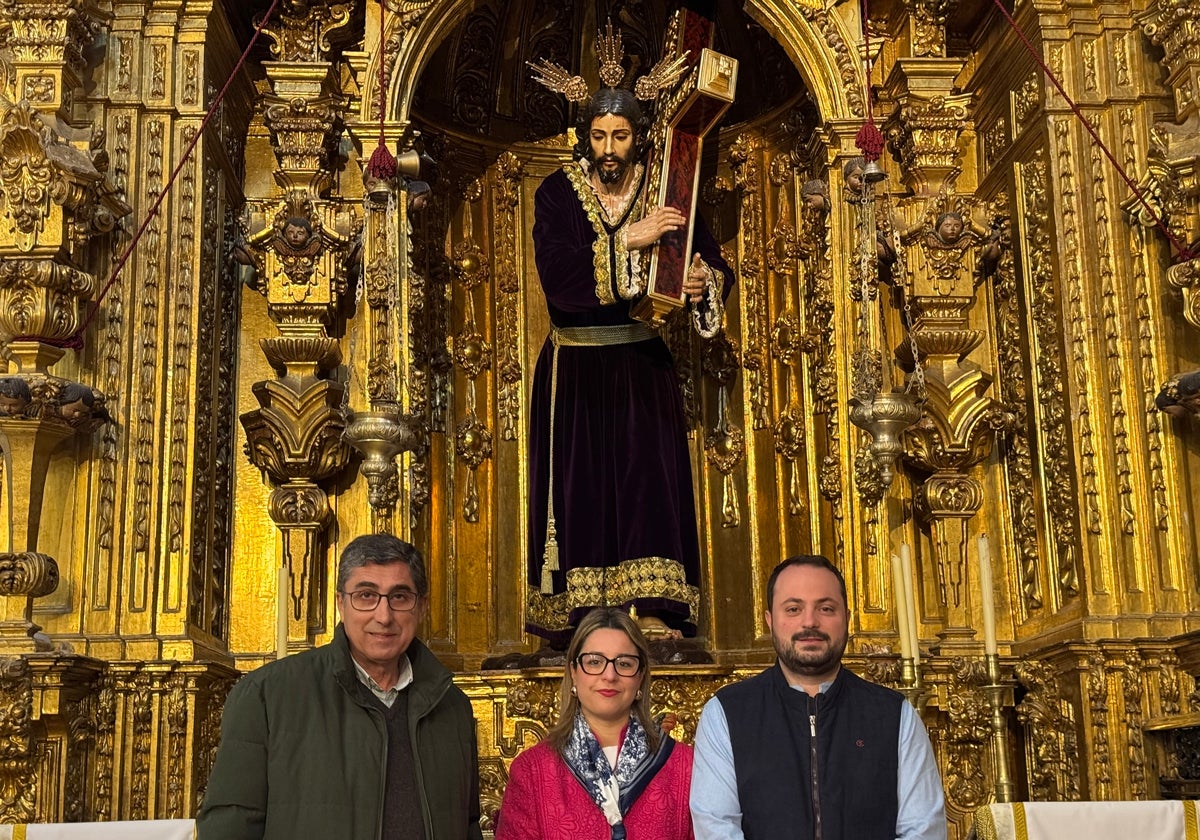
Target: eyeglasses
[(366, 600), (596, 663)]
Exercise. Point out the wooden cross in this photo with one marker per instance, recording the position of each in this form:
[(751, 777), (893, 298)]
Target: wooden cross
[(685, 116)]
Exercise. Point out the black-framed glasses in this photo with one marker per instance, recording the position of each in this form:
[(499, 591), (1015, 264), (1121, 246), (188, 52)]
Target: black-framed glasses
[(595, 663), (366, 600)]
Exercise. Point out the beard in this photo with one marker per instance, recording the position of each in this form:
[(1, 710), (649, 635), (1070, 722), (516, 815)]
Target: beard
[(614, 175), (809, 663)]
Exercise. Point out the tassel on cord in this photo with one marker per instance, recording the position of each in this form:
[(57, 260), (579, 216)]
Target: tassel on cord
[(869, 139), (382, 164), (549, 558)]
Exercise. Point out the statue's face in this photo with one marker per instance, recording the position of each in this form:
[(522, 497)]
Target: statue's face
[(612, 140)]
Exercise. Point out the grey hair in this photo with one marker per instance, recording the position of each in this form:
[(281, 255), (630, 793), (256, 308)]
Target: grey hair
[(382, 550)]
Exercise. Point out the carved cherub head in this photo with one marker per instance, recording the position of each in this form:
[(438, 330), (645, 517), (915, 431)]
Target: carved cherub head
[(296, 232), (75, 402), (15, 396), (815, 195), (852, 174), (419, 195), (949, 227)]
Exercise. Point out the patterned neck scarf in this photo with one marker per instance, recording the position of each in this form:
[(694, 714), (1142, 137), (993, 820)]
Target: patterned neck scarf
[(614, 790)]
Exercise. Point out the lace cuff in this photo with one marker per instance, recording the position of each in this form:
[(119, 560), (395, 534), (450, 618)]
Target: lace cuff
[(709, 312)]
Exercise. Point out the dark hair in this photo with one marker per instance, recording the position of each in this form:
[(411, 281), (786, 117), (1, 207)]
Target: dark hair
[(619, 103), (15, 388), (603, 618), (382, 550), (815, 560)]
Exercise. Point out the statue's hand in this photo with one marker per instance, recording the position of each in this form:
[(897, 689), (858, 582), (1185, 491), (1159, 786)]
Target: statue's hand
[(653, 226), (696, 281)]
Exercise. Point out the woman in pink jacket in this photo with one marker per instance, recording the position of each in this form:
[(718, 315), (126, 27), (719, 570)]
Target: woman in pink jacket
[(605, 770)]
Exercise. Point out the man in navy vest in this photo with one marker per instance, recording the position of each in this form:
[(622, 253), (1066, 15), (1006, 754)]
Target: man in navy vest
[(807, 749)]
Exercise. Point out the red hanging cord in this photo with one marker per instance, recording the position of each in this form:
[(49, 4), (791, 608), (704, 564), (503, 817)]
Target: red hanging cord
[(869, 139), (382, 164), (1185, 252), (75, 341)]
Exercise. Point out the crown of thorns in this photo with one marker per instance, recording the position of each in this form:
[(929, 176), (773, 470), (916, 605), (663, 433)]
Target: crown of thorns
[(610, 52)]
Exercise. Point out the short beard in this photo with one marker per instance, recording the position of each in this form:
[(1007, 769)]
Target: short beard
[(810, 665), (611, 176)]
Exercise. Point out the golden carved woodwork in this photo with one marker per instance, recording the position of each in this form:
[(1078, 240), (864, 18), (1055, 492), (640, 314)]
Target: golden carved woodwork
[(380, 360)]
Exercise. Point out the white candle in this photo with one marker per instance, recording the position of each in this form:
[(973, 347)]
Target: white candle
[(901, 608), (988, 595), (281, 614), (910, 600)]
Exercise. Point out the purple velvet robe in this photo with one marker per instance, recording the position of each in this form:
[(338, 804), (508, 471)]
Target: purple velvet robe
[(625, 511)]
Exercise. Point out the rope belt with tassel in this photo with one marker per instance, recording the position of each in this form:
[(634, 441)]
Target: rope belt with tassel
[(576, 337)]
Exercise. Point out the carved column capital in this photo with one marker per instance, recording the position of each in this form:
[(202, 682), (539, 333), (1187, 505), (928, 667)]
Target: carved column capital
[(297, 435), (1174, 25), (49, 39), (924, 130), (304, 112)]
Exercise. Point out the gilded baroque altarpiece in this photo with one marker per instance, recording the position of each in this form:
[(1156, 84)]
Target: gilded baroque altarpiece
[(289, 359)]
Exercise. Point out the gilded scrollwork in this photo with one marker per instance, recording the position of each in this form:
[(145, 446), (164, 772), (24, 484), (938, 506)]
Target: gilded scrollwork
[(506, 198), (1051, 420), (18, 773), (967, 736), (1051, 742), (472, 445), (1133, 694), (744, 156), (924, 134), (1077, 325), (1097, 697), (28, 573), (928, 22), (302, 33), (1027, 99), (848, 62)]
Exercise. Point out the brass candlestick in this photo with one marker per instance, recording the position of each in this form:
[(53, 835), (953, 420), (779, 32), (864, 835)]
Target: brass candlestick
[(911, 684), (996, 692)]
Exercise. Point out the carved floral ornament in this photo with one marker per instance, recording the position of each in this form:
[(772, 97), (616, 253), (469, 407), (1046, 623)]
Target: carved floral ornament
[(28, 573), (45, 180)]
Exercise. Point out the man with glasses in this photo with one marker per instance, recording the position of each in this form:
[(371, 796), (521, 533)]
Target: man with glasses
[(366, 738)]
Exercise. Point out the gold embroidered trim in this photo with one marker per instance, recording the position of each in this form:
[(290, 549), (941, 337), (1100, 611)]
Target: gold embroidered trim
[(985, 823), (644, 577), (1191, 830), (600, 248), (1020, 830), (608, 252)]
